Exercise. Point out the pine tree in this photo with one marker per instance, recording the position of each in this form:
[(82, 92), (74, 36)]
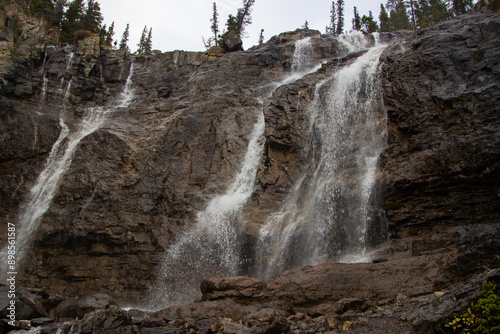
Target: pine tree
[(356, 21), (461, 6), (237, 23), (369, 24), (429, 12), (215, 24), (142, 41), (93, 17), (109, 34), (59, 8), (385, 25), (243, 17), (261, 36), (340, 17), (399, 17), (43, 8), (73, 20), (124, 40), (148, 44), (412, 13), (331, 28)]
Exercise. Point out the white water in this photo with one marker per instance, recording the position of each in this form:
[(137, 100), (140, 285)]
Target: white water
[(302, 53), (328, 212), (212, 247), (57, 164)]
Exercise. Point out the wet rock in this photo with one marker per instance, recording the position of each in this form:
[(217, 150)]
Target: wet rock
[(112, 320), (447, 170), (78, 307), (24, 305), (233, 287)]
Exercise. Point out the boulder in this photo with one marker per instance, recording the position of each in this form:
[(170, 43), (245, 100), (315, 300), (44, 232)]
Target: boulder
[(112, 320), (232, 42), (78, 307)]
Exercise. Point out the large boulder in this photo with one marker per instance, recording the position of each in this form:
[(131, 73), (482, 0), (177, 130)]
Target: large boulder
[(232, 42)]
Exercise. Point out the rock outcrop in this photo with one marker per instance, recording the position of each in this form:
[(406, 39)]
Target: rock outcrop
[(139, 180)]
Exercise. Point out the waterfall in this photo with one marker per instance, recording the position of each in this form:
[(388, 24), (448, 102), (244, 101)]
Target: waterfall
[(303, 51), (212, 247), (328, 211), (57, 164)]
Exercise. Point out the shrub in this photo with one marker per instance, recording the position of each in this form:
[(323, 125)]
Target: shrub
[(482, 317), (81, 34)]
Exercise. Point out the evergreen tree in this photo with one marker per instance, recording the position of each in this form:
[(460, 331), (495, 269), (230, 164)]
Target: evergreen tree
[(340, 17), (391, 4), (103, 33), (215, 24), (108, 38), (73, 20), (237, 23), (385, 24), (261, 36), (429, 12), (356, 21), (461, 6), (124, 40), (59, 8), (142, 41), (93, 17), (412, 13), (43, 8), (399, 17), (369, 24), (243, 17), (148, 44), (331, 28)]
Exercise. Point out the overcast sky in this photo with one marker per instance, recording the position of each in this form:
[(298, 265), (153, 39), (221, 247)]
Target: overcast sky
[(181, 24)]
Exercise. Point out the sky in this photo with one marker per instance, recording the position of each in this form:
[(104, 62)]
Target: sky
[(181, 24)]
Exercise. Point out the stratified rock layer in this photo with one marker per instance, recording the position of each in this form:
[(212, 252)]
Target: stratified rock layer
[(137, 182)]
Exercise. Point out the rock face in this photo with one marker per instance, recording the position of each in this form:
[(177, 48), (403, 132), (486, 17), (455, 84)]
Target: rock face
[(136, 182), (446, 171)]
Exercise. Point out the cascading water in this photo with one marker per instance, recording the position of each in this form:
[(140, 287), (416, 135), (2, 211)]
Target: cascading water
[(58, 162), (303, 51), (328, 212), (212, 247)]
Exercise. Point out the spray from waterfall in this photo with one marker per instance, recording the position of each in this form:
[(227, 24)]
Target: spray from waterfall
[(328, 212), (212, 247), (57, 164)]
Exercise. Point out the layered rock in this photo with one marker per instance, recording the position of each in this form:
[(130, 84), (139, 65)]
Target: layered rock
[(136, 183), (446, 172)]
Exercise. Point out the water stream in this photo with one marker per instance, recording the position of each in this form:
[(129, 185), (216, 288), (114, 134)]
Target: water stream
[(328, 212), (57, 164), (213, 246)]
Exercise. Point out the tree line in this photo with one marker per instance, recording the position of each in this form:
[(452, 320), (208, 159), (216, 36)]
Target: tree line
[(398, 15), (394, 15), (78, 19)]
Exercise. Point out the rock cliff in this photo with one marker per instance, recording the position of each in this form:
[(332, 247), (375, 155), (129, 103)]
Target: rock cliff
[(135, 183)]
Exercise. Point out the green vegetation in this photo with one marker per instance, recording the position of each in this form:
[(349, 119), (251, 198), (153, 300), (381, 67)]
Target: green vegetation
[(481, 317), (145, 44), (78, 19)]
